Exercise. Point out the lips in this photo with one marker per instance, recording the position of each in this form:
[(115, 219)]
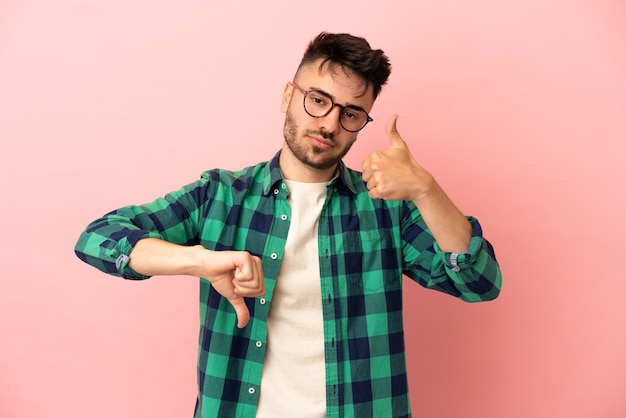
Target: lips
[(320, 142)]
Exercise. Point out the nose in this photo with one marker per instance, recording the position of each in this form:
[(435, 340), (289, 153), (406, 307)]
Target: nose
[(330, 123)]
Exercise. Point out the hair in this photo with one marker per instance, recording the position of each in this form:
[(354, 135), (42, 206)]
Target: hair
[(352, 54)]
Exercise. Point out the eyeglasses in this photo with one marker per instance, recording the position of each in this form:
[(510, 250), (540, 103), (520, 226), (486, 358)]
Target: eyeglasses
[(318, 104)]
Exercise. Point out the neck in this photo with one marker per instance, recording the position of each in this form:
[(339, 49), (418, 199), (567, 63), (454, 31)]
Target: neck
[(294, 169)]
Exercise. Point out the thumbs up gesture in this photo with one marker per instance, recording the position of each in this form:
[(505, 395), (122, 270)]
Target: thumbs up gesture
[(393, 174)]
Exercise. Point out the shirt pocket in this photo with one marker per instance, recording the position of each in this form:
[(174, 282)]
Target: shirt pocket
[(369, 260)]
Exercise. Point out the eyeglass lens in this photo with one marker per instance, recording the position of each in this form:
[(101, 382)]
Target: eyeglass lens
[(318, 105)]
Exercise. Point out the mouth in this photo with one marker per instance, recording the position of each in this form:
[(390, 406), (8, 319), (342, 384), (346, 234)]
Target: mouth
[(318, 142)]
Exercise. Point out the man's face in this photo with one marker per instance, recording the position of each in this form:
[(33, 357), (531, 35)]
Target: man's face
[(319, 143)]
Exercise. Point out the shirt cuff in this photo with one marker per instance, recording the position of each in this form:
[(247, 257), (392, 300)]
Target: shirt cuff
[(459, 261), (120, 254)]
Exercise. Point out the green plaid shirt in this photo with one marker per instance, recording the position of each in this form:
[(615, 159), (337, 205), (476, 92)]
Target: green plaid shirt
[(365, 247)]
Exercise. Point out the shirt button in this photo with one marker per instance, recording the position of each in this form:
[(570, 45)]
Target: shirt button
[(283, 185), (274, 256), (275, 191), (262, 301), (259, 344), (251, 391), (283, 217)]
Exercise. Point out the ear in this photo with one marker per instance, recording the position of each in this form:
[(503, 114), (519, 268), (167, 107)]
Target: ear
[(284, 104)]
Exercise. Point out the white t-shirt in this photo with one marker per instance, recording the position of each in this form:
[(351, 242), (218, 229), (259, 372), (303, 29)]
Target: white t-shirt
[(293, 383)]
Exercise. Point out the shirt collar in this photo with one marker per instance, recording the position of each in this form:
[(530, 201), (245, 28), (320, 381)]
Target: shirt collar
[(272, 175)]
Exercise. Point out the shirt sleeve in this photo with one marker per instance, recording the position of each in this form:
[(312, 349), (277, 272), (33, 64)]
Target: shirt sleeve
[(473, 276), (107, 242)]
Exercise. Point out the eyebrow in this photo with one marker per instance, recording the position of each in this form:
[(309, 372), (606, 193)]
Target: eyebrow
[(331, 97)]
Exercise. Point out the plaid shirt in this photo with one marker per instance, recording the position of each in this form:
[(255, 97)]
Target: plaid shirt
[(365, 247)]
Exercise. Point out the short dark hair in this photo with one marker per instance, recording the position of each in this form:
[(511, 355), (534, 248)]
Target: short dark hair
[(352, 54)]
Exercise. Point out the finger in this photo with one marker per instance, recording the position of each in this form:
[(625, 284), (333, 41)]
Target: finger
[(248, 280), (373, 194), (366, 174), (372, 187), (371, 183), (371, 164), (393, 134), (258, 281), (254, 286), (241, 309), (245, 268), (260, 276)]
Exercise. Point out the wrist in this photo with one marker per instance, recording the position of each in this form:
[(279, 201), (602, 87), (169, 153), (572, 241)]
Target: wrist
[(195, 260), (426, 191)]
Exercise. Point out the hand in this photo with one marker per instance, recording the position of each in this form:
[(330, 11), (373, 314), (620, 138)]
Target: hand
[(235, 275), (393, 174)]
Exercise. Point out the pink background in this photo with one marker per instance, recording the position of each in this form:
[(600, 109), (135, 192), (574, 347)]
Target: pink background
[(518, 107)]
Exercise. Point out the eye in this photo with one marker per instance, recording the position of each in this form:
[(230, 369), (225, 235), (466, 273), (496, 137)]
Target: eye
[(317, 100), (353, 114)]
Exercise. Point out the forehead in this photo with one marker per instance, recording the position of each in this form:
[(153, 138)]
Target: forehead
[(342, 84)]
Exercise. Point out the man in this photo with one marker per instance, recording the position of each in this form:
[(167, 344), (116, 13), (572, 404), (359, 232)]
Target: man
[(303, 258)]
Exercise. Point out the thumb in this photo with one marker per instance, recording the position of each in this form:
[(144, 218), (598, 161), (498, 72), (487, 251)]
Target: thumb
[(241, 309), (395, 139)]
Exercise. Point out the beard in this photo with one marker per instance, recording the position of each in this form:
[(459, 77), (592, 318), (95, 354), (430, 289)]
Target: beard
[(311, 155)]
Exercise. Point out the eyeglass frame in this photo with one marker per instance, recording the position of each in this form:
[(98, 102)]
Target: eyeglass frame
[(333, 105)]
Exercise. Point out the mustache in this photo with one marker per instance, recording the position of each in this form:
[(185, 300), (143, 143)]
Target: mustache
[(323, 134)]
